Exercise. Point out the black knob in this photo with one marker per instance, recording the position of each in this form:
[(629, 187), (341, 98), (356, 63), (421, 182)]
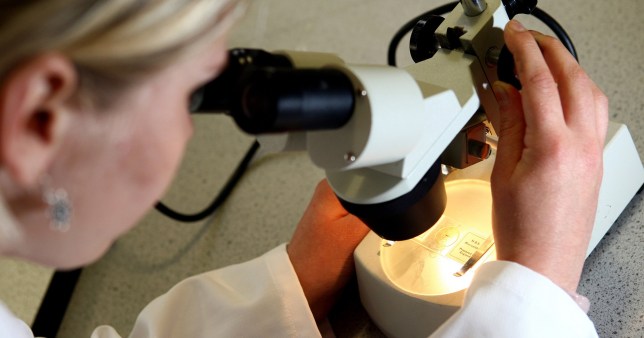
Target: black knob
[(423, 43), (505, 69), (514, 7)]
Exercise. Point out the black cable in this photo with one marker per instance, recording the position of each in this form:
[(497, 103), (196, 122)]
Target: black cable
[(557, 29), (537, 13), (221, 197), (55, 303)]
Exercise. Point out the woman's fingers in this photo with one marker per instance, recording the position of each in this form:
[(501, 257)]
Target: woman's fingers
[(321, 249), (547, 69), (537, 80), (512, 128), (553, 187), (601, 107), (576, 90)]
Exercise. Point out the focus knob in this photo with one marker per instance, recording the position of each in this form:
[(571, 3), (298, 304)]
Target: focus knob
[(506, 68), (514, 7), (423, 43)]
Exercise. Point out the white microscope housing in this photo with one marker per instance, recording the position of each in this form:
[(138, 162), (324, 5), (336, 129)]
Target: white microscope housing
[(410, 289), (403, 124)]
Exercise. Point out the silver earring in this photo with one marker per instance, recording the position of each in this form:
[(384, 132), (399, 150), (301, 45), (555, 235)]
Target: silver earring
[(60, 209)]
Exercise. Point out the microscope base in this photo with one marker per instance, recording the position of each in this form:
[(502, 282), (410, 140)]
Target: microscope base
[(403, 313)]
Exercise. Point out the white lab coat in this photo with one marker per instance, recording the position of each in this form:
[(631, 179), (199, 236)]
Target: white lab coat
[(262, 298)]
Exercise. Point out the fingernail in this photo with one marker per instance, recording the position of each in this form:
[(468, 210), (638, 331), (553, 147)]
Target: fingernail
[(500, 93), (516, 26)]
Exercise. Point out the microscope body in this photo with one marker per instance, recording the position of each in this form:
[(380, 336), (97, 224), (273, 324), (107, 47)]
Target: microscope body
[(383, 155), (405, 121)]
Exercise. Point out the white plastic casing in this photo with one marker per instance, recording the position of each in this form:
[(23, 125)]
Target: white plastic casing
[(399, 313)]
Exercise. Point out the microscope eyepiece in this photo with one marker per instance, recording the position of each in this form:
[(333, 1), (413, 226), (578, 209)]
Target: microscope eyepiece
[(279, 100), (264, 93)]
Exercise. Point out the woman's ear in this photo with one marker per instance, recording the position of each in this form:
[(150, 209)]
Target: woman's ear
[(35, 112)]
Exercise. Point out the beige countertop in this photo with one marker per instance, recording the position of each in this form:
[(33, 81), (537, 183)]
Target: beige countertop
[(263, 210)]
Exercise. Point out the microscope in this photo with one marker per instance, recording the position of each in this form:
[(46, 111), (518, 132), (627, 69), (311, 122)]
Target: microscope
[(407, 150)]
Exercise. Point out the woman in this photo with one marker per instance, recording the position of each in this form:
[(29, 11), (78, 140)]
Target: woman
[(94, 120)]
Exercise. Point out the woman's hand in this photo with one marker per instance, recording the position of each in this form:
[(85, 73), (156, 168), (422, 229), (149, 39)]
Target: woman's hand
[(548, 169), (321, 249)]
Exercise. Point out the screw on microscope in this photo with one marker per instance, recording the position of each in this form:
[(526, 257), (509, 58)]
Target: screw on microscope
[(474, 7), (492, 56), (350, 157)]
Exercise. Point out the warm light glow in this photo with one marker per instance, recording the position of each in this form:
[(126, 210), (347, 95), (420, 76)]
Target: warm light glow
[(425, 265)]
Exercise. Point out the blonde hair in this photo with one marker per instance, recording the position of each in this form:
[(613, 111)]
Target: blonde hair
[(112, 43)]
